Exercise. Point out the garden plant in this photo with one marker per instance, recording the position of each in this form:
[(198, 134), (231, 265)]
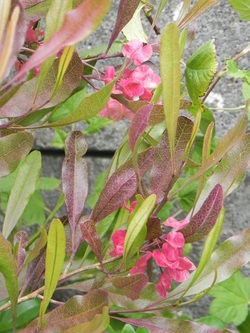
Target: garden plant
[(122, 253)]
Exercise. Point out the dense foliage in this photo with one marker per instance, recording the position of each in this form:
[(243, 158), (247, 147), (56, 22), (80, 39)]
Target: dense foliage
[(125, 261)]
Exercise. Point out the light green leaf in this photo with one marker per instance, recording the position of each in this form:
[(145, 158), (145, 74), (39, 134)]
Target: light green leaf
[(234, 71), (9, 270), (34, 212), (231, 299), (87, 108), (54, 263), (24, 186), (39, 245), (137, 229), (13, 148), (200, 69), (171, 80), (242, 7), (48, 184), (134, 29), (97, 325), (199, 8)]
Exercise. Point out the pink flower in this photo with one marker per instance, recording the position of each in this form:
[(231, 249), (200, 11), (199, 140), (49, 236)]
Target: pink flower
[(177, 225), (136, 51), (164, 284), (141, 264), (32, 34), (118, 238), (176, 239), (132, 206)]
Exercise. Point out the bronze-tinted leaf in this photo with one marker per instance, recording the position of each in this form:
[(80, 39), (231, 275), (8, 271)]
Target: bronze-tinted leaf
[(131, 286), (21, 242), (119, 188), (75, 179), (203, 221), (90, 235)]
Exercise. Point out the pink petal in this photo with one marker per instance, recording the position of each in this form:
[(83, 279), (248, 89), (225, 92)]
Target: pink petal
[(131, 47), (118, 238), (163, 261), (109, 74), (161, 290), (181, 276), (141, 264), (176, 238), (185, 263), (172, 222), (135, 50), (143, 55), (170, 252)]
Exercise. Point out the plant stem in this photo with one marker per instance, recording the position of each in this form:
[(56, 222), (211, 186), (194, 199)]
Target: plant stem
[(63, 277)]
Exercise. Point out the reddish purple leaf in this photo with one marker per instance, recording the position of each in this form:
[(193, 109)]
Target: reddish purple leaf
[(203, 221), (90, 235), (77, 310), (166, 325), (120, 187), (139, 124), (21, 242), (154, 229), (124, 14), (162, 167), (26, 100), (75, 180), (77, 25), (145, 160), (131, 286)]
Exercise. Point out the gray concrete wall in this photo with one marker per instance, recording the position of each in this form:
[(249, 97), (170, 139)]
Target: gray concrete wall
[(230, 36)]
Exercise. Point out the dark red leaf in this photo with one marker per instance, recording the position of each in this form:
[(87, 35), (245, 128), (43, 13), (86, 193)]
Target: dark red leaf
[(162, 167), (139, 124), (120, 187), (90, 235), (153, 228), (75, 179), (203, 221), (131, 286), (145, 160), (124, 14)]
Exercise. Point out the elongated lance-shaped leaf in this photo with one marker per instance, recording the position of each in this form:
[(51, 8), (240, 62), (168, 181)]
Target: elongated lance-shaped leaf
[(161, 168), (26, 100), (171, 80), (77, 310), (203, 221), (124, 14), (54, 21), (90, 235), (209, 246), (231, 170), (166, 325), (75, 179), (226, 143), (139, 124), (9, 270), (55, 254), (77, 25), (137, 229), (228, 258), (21, 242), (24, 186), (13, 148), (131, 286), (120, 187), (200, 69), (88, 107), (199, 8), (12, 37)]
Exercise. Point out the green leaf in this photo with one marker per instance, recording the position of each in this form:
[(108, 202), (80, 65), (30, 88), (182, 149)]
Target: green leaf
[(97, 325), (212, 321), (134, 29), (95, 124), (88, 107), (13, 148), (200, 69), (34, 212), (231, 299), (199, 8), (24, 186), (59, 138), (242, 7), (128, 329), (48, 184), (54, 263), (171, 79), (137, 229), (38, 247), (244, 327), (234, 71), (9, 270)]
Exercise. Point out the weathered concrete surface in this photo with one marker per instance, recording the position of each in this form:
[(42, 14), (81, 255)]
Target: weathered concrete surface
[(230, 37)]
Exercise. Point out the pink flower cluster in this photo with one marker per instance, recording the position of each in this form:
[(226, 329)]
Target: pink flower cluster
[(169, 257), (135, 84)]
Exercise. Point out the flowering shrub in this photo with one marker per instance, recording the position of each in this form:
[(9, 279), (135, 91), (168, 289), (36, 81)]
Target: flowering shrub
[(128, 251)]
